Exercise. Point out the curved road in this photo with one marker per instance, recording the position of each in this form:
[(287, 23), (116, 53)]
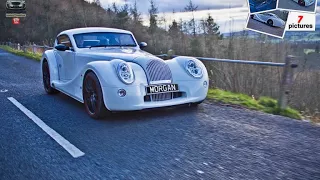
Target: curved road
[(260, 26), (208, 142)]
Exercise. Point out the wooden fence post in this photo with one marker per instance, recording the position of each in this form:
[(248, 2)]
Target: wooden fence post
[(287, 81), (34, 48)]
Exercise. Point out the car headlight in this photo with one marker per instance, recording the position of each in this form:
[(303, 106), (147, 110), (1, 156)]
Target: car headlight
[(194, 69), (125, 73)]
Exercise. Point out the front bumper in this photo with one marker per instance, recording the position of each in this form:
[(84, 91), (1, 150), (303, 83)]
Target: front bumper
[(192, 92)]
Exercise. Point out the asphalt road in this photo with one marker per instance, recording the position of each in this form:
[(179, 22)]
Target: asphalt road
[(260, 26), (291, 5), (208, 142)]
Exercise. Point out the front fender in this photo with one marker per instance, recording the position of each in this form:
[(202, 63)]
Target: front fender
[(179, 73), (49, 56), (107, 73)]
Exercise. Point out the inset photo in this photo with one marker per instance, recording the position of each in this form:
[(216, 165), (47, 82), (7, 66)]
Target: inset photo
[(298, 5), (272, 23), (262, 5)]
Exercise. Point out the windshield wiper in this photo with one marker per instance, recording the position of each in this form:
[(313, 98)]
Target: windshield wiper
[(101, 45), (125, 45)]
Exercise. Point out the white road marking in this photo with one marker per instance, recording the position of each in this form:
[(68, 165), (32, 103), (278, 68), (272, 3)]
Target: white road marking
[(74, 151)]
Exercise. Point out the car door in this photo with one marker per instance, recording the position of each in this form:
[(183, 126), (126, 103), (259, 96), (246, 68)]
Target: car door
[(265, 17), (65, 59)]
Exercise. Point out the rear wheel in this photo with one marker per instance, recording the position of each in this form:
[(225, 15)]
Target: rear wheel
[(93, 97), (46, 79), (301, 3), (270, 22)]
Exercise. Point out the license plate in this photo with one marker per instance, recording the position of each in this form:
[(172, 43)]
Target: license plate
[(163, 88)]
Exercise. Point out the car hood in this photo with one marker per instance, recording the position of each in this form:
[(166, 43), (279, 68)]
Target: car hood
[(127, 54)]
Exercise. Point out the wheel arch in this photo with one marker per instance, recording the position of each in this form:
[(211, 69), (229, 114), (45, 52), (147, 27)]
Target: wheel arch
[(100, 79), (48, 56)]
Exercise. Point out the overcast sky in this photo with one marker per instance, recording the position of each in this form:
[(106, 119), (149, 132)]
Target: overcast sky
[(229, 14)]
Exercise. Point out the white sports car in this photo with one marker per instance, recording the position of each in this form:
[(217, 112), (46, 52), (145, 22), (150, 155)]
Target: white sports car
[(270, 19), (106, 70), (305, 2)]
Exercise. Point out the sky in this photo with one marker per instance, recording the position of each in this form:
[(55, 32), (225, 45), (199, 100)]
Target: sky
[(231, 15)]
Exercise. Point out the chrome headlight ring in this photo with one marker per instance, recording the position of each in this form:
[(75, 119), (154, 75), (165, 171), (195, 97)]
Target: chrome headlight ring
[(125, 73), (194, 69)]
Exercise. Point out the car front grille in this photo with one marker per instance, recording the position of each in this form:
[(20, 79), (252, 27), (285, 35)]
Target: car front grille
[(158, 70), (162, 97), (16, 3)]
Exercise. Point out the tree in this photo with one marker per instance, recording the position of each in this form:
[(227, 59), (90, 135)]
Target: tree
[(175, 35), (153, 11), (121, 18), (97, 2), (211, 35), (192, 23), (136, 16)]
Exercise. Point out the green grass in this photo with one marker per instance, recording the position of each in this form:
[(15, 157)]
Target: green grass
[(264, 104), (28, 54)]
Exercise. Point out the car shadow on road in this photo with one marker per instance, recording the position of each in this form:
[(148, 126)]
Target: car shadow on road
[(141, 115)]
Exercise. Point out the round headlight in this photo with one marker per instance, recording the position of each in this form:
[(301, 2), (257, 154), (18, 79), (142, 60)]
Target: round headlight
[(125, 73), (194, 69)]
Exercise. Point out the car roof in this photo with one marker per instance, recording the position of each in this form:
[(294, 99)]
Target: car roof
[(93, 29)]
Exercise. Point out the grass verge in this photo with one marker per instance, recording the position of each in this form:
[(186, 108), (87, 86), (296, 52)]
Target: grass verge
[(28, 54), (264, 104)]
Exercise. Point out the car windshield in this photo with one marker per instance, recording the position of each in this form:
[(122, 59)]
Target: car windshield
[(274, 15), (104, 39)]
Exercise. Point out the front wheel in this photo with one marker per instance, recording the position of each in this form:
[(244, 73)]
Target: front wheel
[(270, 22), (301, 3), (46, 79), (93, 97)]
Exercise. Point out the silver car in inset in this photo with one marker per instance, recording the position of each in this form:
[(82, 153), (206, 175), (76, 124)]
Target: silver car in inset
[(16, 4)]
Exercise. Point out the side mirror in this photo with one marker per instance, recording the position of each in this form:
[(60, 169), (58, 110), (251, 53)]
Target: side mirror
[(143, 45), (61, 47)]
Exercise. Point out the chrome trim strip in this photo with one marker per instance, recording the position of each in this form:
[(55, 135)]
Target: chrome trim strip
[(161, 82)]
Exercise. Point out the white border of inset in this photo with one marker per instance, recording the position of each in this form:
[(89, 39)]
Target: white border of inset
[(261, 11), (294, 10), (284, 31)]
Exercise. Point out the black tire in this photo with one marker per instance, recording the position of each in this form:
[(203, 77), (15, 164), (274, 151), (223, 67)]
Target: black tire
[(270, 22), (93, 97), (252, 16), (302, 3), (46, 79)]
